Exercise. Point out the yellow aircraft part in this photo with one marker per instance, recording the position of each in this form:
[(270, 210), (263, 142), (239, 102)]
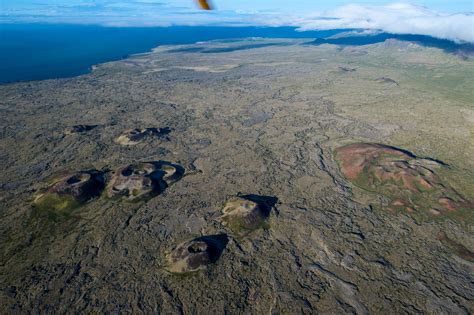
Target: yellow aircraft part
[(204, 4)]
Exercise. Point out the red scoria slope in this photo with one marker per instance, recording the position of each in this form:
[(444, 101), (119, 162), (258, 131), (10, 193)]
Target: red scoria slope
[(411, 183)]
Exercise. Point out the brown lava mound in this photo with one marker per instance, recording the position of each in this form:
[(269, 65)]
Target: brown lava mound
[(410, 182), (196, 254), (143, 180), (70, 191), (247, 213), (135, 136)]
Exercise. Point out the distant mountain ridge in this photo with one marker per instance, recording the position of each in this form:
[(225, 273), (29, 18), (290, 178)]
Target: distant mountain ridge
[(360, 38)]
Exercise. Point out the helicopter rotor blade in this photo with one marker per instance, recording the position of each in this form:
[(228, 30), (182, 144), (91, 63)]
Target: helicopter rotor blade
[(204, 4)]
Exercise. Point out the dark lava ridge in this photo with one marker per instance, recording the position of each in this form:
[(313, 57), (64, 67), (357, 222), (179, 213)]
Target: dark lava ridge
[(457, 249)]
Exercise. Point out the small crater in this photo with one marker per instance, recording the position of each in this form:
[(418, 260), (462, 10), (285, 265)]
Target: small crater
[(78, 129), (347, 69), (244, 214), (387, 81), (70, 191), (135, 136), (196, 254), (143, 180)]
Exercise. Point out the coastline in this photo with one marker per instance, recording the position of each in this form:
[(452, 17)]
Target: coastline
[(65, 51)]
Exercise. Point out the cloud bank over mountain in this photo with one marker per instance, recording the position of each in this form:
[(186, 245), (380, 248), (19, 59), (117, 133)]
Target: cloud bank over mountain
[(397, 18)]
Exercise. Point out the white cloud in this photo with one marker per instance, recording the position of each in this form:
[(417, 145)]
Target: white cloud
[(397, 18)]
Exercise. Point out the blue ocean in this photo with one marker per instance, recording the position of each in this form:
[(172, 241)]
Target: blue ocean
[(45, 51), (35, 52)]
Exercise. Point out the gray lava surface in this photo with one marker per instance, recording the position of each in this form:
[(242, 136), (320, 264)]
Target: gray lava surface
[(251, 117)]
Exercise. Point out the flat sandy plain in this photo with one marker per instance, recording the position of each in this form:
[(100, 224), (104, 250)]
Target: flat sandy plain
[(260, 117)]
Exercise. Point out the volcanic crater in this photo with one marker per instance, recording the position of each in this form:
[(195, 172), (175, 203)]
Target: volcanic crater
[(70, 191), (143, 180), (136, 136), (411, 183), (244, 214), (197, 253)]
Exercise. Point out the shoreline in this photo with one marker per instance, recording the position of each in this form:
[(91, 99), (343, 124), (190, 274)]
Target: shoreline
[(75, 50), (72, 50)]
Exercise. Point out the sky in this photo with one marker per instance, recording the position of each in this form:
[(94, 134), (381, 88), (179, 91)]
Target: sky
[(445, 19)]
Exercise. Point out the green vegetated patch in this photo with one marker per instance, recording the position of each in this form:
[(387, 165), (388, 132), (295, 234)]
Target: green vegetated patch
[(242, 227), (412, 184), (66, 193), (56, 206)]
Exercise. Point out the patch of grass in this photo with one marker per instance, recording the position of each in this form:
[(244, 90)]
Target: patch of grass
[(54, 206), (241, 229)]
